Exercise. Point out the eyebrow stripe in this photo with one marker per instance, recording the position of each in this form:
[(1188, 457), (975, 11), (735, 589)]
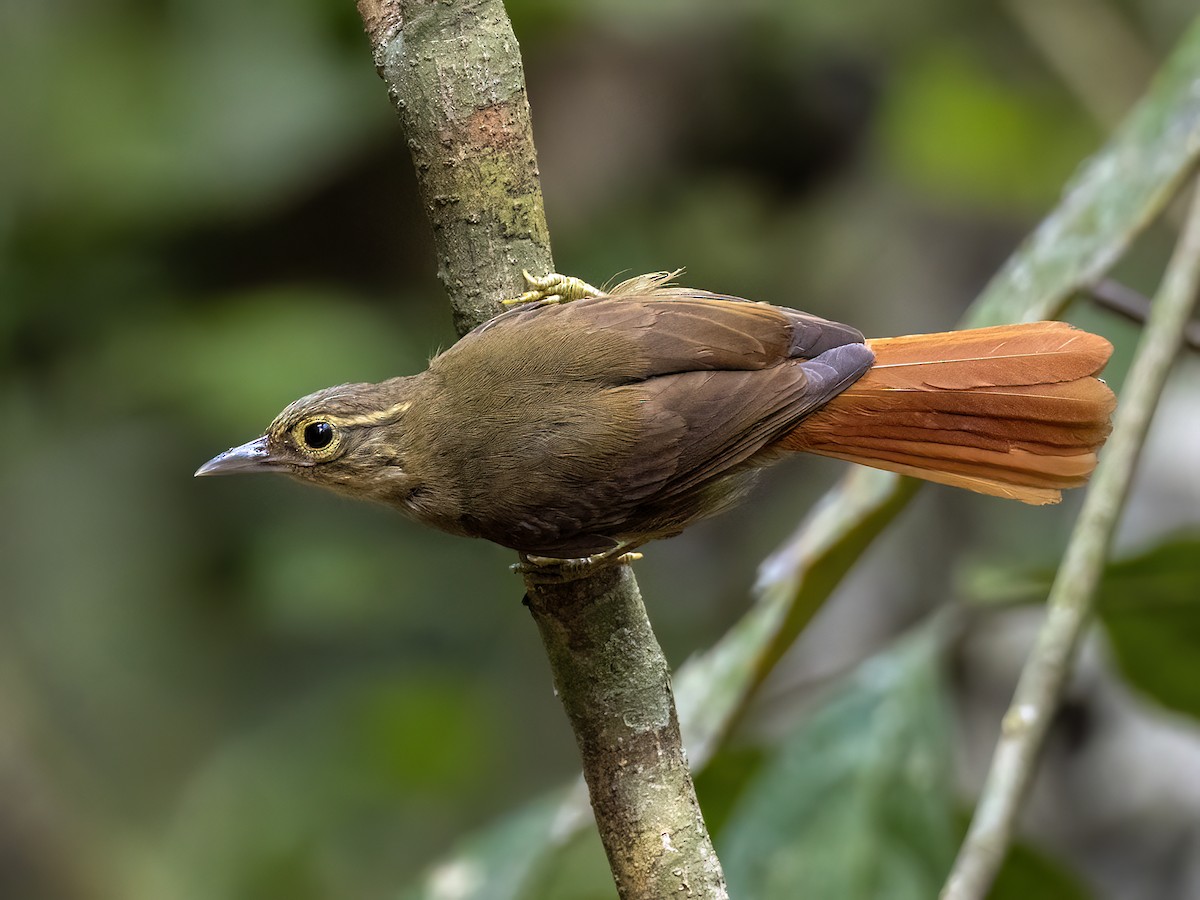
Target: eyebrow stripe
[(378, 417)]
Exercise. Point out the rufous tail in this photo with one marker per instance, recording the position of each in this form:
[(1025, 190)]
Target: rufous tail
[(1014, 411)]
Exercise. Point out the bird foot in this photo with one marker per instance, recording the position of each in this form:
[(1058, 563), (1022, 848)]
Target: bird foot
[(551, 570), (553, 288)]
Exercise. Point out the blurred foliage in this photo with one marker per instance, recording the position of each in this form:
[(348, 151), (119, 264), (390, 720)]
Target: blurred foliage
[(1150, 607), (962, 134), (239, 689), (1149, 604), (1027, 875), (869, 793)]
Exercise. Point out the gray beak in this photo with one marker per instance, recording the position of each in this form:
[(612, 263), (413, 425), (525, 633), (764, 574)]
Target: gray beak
[(251, 457)]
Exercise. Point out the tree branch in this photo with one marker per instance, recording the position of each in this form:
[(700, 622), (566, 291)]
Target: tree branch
[(453, 70), (1069, 607), (614, 682), (1125, 301)]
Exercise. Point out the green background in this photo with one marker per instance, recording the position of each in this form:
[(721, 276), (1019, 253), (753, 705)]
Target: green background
[(238, 688)]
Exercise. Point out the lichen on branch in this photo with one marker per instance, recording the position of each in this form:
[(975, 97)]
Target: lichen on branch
[(454, 73)]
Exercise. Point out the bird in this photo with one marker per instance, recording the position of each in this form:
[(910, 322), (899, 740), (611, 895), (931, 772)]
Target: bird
[(582, 430)]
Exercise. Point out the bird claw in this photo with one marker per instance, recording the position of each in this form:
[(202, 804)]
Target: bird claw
[(553, 288), (552, 570)]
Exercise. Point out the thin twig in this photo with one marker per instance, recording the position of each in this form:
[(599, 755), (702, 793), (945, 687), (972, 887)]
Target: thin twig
[(1125, 301), (1024, 727)]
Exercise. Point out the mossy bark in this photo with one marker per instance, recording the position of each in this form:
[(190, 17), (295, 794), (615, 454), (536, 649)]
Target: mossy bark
[(453, 70), (615, 685)]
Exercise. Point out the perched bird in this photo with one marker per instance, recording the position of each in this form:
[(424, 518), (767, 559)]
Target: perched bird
[(569, 430)]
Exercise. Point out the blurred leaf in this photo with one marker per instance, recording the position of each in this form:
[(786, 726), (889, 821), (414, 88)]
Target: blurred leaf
[(1156, 650), (869, 795), (577, 872), (1027, 875), (1150, 606), (187, 111), (959, 132), (282, 798), (712, 688), (497, 863), (535, 853), (1112, 197), (721, 783), (1165, 577), (240, 362)]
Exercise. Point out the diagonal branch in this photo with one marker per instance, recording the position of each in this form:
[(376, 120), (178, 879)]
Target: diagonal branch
[(454, 71), (1125, 301), (1069, 607)]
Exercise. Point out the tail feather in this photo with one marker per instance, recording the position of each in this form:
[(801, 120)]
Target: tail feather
[(1013, 411)]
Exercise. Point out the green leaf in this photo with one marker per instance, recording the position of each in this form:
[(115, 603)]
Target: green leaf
[(578, 872), (1157, 653), (1149, 604), (712, 688), (1027, 875), (858, 803)]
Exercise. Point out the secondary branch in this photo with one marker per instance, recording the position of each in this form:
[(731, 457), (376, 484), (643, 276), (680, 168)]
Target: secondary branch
[(1069, 606)]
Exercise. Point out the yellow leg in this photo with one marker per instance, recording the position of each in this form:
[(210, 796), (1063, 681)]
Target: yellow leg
[(553, 570), (553, 288)]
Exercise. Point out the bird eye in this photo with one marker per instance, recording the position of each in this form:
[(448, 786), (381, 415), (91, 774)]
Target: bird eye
[(317, 435)]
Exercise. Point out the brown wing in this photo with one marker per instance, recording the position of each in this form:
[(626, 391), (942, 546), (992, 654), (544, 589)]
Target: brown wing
[(729, 417), (672, 330), (663, 397)]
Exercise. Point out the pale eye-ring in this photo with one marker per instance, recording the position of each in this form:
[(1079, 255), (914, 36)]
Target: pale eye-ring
[(318, 435)]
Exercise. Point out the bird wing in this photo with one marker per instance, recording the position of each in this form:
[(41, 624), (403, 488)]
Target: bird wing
[(712, 423), (683, 389), (673, 330)]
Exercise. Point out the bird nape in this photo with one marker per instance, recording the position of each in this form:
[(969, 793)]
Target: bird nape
[(572, 429)]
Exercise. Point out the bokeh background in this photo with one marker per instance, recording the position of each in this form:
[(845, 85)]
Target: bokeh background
[(238, 688)]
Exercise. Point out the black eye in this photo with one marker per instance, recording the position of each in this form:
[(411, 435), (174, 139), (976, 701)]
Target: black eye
[(318, 435)]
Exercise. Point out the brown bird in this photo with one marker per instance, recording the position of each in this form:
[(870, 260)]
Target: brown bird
[(591, 427)]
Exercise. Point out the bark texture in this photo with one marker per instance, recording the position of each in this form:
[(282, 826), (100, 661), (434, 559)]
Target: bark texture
[(453, 71), (614, 683)]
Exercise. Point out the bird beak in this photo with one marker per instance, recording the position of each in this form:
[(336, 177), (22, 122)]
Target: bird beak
[(251, 457)]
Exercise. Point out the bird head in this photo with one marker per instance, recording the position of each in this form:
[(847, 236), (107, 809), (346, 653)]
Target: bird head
[(346, 438)]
